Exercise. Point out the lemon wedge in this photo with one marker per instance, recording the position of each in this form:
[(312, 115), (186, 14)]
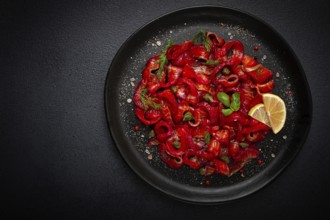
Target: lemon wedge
[(272, 112), (258, 112)]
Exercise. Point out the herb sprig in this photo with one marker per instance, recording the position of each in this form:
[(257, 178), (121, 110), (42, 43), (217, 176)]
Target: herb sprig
[(162, 60), (200, 37), (148, 101)]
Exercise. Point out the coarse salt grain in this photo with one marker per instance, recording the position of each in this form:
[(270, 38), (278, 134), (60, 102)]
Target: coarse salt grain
[(277, 74), (272, 155), (285, 137), (129, 100), (150, 156), (159, 43), (132, 84)]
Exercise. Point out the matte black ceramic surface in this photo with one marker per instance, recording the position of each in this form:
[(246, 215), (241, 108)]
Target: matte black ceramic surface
[(277, 151)]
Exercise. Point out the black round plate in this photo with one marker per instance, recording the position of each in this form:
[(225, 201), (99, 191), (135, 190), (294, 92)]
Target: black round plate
[(277, 151)]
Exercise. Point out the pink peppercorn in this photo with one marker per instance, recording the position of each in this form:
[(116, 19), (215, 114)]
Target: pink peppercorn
[(256, 48)]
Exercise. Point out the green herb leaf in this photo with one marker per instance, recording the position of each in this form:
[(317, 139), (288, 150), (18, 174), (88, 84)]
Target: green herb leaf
[(188, 117), (212, 62), (207, 97), (207, 138), (143, 97), (227, 111), (235, 101), (148, 101), (174, 89), (152, 134), (151, 102), (177, 144), (226, 71), (225, 159), (207, 45), (200, 37), (243, 144), (224, 98), (202, 171), (162, 60)]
